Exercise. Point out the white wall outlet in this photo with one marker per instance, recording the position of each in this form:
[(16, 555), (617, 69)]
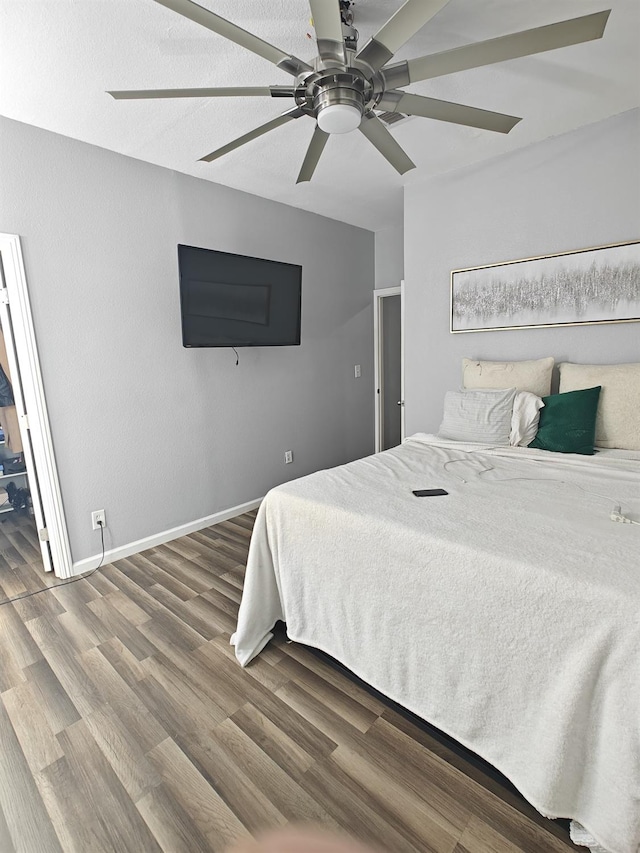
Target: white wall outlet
[(357, 371), (288, 456), (98, 519)]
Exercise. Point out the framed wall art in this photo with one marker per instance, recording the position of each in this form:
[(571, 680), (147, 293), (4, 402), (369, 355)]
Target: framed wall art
[(596, 285)]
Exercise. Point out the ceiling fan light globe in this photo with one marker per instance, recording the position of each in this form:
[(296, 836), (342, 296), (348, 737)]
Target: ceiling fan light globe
[(339, 118)]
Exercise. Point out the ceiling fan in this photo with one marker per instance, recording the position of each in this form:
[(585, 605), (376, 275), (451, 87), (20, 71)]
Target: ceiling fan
[(343, 87)]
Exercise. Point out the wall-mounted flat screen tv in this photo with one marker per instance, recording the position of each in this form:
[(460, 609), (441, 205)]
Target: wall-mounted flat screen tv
[(238, 301)]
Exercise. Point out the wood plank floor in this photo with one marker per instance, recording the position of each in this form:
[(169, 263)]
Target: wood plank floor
[(21, 569), (127, 725)]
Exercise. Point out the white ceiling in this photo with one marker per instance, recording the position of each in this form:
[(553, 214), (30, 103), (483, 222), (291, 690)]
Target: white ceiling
[(57, 58)]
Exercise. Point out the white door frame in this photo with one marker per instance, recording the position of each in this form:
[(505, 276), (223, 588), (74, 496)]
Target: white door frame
[(378, 336), (37, 418)]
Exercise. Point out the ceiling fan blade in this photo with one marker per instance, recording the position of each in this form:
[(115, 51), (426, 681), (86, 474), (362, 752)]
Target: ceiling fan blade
[(513, 46), (220, 92), (296, 112), (417, 105), (314, 151), (379, 136), (230, 31), (328, 26), (409, 18)]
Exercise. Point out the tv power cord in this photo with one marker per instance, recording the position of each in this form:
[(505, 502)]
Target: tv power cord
[(64, 583)]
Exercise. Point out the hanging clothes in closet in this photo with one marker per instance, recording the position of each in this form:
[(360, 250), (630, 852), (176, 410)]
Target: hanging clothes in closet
[(8, 414)]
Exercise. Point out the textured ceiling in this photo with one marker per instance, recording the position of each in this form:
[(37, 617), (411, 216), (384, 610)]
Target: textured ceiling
[(57, 58)]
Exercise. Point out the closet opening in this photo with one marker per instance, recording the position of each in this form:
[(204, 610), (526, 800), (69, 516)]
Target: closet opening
[(34, 546), (388, 326)]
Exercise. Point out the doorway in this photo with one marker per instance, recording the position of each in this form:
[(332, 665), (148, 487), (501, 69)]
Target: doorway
[(28, 447), (388, 322)]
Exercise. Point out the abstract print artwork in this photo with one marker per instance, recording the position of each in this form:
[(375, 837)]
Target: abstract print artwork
[(599, 285)]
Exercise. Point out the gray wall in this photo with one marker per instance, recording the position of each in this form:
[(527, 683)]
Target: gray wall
[(573, 191), (155, 434), (390, 256)]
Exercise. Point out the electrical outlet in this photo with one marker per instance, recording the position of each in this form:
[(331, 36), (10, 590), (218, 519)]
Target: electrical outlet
[(98, 519), (357, 370), (288, 456)]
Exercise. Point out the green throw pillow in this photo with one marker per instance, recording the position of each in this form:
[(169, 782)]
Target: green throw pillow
[(568, 422)]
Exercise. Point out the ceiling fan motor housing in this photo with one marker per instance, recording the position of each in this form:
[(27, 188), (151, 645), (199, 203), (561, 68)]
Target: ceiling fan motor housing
[(337, 99)]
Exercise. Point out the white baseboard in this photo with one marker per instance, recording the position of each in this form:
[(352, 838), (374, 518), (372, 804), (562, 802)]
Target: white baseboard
[(123, 551)]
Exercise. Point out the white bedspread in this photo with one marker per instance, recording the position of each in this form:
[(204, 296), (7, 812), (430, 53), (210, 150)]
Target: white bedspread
[(506, 613)]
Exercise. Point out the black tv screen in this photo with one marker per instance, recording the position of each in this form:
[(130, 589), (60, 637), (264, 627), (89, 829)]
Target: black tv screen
[(237, 301)]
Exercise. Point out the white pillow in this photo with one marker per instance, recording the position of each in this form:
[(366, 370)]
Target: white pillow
[(533, 376), (482, 416), (525, 418), (618, 421)]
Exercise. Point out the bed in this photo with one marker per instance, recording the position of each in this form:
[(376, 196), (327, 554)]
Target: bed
[(505, 613)]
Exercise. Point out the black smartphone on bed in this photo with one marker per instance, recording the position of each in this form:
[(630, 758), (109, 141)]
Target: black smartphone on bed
[(428, 493)]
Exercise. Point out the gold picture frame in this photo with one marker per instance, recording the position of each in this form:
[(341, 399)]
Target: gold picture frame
[(564, 289)]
